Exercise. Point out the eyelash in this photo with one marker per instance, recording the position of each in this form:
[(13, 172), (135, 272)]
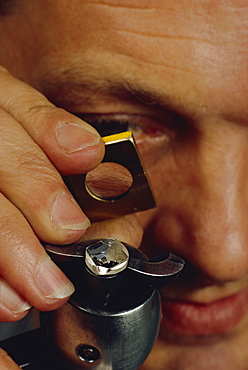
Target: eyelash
[(107, 127), (150, 135)]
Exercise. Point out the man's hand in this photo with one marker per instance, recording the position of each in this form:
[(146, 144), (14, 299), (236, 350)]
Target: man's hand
[(6, 362), (38, 142)]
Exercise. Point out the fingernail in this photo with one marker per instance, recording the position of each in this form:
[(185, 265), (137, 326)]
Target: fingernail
[(66, 214), (72, 137), (52, 282), (11, 299)]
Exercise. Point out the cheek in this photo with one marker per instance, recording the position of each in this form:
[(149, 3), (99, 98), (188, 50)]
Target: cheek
[(170, 179)]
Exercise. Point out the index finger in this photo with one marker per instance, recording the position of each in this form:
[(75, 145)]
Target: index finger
[(72, 145), (6, 363)]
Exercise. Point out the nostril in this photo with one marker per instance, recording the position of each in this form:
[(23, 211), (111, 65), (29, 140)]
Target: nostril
[(208, 270), (195, 278)]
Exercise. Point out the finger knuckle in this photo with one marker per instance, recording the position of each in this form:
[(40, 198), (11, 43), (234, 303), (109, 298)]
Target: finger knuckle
[(34, 166)]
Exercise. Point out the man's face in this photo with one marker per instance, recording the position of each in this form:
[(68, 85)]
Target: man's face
[(176, 73)]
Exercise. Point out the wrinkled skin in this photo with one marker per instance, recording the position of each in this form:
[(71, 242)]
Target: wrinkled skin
[(178, 72)]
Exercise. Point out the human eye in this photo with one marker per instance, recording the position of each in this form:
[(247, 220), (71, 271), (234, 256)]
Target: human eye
[(149, 133), (108, 125)]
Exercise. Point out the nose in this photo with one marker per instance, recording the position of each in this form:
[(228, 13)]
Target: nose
[(203, 201)]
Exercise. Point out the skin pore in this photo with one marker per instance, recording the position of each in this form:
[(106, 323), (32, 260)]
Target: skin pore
[(175, 73)]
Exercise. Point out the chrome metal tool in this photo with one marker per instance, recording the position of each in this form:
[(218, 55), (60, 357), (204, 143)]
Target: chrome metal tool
[(112, 320)]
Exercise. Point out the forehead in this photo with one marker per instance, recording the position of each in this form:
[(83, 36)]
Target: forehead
[(197, 50)]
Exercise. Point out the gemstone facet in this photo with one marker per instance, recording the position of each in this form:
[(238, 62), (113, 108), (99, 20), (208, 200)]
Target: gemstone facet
[(106, 257)]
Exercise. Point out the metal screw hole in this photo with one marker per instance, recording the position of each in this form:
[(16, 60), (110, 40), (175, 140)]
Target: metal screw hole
[(88, 353)]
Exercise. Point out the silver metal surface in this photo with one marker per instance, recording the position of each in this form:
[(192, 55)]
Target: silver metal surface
[(160, 267), (123, 339)]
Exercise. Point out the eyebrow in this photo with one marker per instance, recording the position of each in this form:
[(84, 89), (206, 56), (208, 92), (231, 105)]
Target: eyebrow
[(81, 84), (130, 89), (78, 84), (123, 88)]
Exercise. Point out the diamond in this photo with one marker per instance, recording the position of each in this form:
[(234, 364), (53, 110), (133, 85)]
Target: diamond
[(106, 257)]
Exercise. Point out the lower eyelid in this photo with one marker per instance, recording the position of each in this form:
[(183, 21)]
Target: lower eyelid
[(139, 125)]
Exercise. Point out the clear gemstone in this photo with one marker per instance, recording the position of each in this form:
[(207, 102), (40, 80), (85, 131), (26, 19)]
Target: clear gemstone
[(106, 257)]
